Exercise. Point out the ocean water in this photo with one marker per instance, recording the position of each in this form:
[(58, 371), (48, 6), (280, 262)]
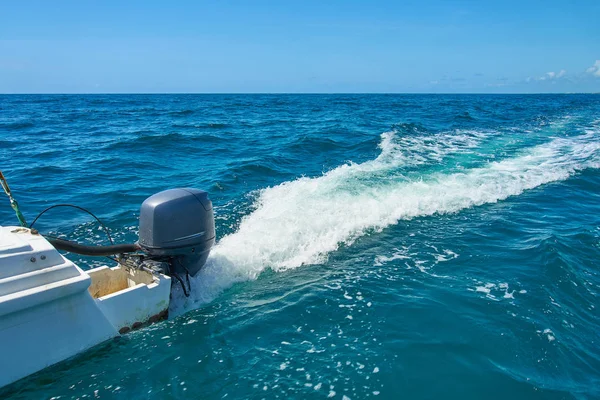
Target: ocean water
[(369, 246)]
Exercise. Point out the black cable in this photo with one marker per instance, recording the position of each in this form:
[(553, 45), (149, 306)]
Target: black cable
[(77, 248), (79, 208)]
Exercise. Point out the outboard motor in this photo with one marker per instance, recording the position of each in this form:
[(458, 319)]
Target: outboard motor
[(177, 231), (177, 228)]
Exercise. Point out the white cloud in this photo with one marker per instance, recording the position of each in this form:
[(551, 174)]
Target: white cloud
[(549, 76), (554, 75), (594, 69)]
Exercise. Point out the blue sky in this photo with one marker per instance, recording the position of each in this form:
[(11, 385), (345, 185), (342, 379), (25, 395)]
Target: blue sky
[(300, 46)]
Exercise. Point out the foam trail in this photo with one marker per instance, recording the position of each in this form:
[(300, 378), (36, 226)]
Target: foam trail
[(300, 222)]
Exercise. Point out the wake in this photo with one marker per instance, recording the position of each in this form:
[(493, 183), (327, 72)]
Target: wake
[(300, 222)]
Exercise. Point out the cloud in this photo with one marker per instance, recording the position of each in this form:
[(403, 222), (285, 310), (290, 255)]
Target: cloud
[(594, 69), (553, 75), (548, 76)]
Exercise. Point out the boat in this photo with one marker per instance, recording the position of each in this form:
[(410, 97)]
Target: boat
[(52, 310)]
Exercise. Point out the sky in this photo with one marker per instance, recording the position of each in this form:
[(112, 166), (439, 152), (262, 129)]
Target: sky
[(425, 46)]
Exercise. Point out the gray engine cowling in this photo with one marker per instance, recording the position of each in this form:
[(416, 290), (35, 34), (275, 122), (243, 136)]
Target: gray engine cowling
[(178, 225)]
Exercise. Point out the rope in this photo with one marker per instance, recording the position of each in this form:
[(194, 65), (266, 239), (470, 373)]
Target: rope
[(13, 202)]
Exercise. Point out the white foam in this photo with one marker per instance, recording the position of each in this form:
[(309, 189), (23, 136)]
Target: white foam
[(399, 254), (300, 222), (550, 335), (412, 150)]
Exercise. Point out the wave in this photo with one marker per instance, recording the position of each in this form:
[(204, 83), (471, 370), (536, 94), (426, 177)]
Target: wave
[(17, 125), (8, 144), (300, 222), (315, 144), (147, 141), (465, 116), (182, 112), (253, 167), (202, 125)]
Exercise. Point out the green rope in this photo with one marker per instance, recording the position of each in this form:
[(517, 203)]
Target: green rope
[(13, 202)]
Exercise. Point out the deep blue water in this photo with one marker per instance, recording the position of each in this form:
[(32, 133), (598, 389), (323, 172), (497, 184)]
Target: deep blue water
[(385, 246)]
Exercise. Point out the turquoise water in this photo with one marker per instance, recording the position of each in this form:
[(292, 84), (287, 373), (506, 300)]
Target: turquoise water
[(369, 246)]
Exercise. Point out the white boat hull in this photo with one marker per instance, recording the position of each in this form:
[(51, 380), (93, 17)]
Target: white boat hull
[(51, 310)]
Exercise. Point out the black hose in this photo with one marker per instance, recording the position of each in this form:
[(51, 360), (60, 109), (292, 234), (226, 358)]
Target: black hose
[(85, 250)]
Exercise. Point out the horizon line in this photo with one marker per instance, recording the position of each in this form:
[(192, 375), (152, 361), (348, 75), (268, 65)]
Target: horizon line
[(289, 93)]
